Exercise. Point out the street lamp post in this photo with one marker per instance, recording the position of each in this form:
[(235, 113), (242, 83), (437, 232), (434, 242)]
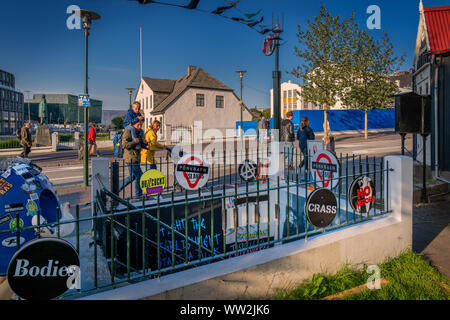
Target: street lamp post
[(130, 93), (29, 115), (86, 18), (277, 83), (241, 76)]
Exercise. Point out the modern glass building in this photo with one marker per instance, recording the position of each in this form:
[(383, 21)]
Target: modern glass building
[(63, 108), (11, 104)]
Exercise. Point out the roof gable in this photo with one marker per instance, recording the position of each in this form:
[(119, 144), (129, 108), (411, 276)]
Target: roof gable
[(199, 78), (160, 85)]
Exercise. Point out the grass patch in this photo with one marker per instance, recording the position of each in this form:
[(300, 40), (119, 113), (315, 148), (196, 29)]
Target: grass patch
[(410, 277)]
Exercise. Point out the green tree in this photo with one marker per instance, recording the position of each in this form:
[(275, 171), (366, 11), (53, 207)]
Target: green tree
[(118, 122), (325, 49), (368, 86)]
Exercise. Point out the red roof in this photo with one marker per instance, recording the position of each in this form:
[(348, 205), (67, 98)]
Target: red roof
[(438, 26)]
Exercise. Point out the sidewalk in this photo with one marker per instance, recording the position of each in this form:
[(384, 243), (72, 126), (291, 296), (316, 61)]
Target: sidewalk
[(431, 232)]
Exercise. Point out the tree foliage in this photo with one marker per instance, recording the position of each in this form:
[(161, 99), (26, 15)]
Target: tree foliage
[(324, 50), (118, 122)]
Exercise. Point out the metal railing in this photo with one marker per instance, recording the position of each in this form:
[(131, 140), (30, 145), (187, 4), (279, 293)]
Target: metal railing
[(125, 241)]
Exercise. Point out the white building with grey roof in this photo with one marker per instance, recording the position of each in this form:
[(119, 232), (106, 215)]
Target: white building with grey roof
[(196, 96)]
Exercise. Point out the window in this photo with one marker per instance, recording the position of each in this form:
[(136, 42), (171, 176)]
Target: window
[(146, 103), (426, 88), (200, 100), (151, 102), (219, 102)]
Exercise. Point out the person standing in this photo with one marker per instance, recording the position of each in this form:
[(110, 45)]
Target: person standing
[(133, 113), (151, 138), (263, 126), (26, 140), (132, 156), (304, 134), (287, 137), (92, 138)]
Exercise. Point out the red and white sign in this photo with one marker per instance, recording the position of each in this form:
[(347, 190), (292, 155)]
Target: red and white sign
[(192, 172), (325, 168)]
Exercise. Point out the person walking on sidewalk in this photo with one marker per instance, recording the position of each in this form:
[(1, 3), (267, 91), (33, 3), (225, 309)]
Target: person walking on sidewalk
[(132, 156), (26, 140), (304, 134), (287, 137), (92, 138), (151, 138)]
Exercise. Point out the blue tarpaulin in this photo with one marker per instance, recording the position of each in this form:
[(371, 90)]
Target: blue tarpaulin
[(339, 120)]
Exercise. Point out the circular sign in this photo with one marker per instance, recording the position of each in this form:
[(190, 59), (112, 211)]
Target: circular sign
[(248, 170), (361, 194), (192, 172), (321, 207), (325, 168), (44, 269), (269, 45), (152, 182)]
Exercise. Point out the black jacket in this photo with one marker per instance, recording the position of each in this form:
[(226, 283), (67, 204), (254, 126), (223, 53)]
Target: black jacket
[(287, 131)]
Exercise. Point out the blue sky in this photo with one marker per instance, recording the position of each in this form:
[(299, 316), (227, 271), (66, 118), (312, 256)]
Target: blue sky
[(45, 56)]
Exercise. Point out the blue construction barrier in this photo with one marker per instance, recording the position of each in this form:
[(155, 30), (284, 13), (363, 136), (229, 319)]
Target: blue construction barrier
[(339, 120)]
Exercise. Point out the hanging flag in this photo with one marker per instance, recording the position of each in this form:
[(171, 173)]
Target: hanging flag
[(192, 5), (238, 19), (256, 22), (234, 3), (221, 10), (145, 1), (251, 15), (265, 31)]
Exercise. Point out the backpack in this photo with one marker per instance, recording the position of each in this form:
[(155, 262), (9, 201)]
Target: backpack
[(118, 145), (18, 134)]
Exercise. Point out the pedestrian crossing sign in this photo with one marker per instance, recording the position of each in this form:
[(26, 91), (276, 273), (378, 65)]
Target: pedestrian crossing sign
[(83, 100)]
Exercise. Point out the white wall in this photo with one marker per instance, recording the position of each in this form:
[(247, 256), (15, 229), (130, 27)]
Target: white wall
[(184, 110)]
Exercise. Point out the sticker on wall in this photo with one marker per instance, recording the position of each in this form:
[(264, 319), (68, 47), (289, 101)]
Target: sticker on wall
[(14, 207), (31, 208), (248, 170), (5, 186), (192, 172), (361, 194), (321, 207), (325, 168), (5, 219), (13, 224), (152, 182)]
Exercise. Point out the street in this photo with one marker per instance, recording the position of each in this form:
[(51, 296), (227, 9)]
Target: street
[(63, 168)]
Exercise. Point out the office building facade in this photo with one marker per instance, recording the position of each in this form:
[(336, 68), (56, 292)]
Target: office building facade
[(11, 104)]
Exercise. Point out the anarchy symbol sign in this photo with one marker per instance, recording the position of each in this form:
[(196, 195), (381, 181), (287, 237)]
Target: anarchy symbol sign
[(248, 170)]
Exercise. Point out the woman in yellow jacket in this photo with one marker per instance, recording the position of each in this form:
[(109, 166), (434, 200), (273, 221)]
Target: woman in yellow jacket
[(151, 137)]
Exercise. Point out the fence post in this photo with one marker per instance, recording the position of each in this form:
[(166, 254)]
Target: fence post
[(55, 141), (77, 140), (398, 189), (100, 170)]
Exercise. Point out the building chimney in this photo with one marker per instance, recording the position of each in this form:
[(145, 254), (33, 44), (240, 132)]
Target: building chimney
[(190, 70)]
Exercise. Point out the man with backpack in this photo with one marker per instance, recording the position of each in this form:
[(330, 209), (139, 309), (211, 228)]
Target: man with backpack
[(25, 139)]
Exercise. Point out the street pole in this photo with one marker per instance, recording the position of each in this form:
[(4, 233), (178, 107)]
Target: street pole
[(29, 115), (277, 84), (86, 91), (130, 93), (87, 17), (241, 133)]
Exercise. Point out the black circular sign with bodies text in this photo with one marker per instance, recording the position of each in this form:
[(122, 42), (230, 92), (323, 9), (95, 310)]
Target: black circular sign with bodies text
[(321, 208), (43, 269)]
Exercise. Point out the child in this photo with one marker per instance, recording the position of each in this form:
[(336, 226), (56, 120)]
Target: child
[(130, 118)]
